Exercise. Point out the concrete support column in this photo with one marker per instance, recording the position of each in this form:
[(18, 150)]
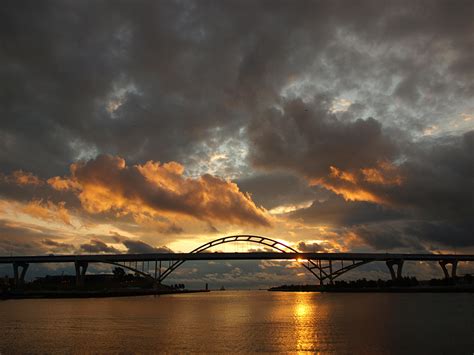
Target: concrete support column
[(443, 263), (81, 269), (399, 264), (454, 265), (19, 277)]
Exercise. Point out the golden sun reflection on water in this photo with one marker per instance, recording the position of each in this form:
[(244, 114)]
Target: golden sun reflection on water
[(240, 322), (305, 311), (301, 310)]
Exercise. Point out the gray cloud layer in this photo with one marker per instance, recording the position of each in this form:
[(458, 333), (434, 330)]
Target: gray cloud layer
[(430, 179), (181, 70), (176, 80)]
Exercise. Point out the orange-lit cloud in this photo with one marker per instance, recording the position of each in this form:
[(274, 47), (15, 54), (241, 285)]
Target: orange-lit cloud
[(384, 174), (342, 175), (22, 178), (361, 184), (47, 211), (154, 189), (62, 184)]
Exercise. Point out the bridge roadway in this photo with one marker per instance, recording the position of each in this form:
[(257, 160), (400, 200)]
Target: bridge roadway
[(319, 264), (116, 258)]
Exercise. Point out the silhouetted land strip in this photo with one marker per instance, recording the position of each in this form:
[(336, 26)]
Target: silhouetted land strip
[(92, 294), (117, 284), (418, 289), (408, 285)]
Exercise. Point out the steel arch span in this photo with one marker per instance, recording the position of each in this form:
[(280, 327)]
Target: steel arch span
[(316, 267)]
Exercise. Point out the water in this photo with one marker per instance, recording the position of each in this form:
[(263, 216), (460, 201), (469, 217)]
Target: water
[(242, 321)]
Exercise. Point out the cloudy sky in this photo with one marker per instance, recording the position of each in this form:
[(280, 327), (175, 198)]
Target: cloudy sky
[(329, 125)]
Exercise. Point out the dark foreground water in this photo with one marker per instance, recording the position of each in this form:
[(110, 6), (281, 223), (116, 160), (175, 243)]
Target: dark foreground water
[(242, 321)]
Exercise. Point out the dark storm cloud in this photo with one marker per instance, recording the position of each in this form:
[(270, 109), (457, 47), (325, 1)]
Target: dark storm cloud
[(272, 190), (97, 246), (416, 235), (13, 247), (310, 247), (56, 247), (377, 172), (307, 138), (439, 177), (173, 80), (337, 211), (24, 239), (139, 247), (172, 72)]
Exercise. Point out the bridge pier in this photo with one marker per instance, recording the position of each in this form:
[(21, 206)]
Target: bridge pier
[(454, 265), (19, 277), (399, 264), (81, 268)]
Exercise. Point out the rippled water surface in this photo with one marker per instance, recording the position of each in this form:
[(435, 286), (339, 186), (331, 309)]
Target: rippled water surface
[(242, 321)]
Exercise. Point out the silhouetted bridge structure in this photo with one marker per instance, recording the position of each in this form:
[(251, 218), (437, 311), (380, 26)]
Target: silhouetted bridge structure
[(324, 266)]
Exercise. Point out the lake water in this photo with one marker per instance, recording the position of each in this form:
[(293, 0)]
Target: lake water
[(242, 321)]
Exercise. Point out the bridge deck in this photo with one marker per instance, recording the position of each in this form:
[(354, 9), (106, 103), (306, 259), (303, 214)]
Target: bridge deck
[(232, 256)]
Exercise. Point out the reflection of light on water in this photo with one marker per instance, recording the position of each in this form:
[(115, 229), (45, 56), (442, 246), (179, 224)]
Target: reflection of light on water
[(303, 316), (301, 310)]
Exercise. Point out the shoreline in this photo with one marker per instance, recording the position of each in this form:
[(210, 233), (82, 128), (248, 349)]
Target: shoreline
[(427, 289), (90, 294)]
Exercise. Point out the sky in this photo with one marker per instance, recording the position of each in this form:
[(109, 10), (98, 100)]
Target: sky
[(161, 125)]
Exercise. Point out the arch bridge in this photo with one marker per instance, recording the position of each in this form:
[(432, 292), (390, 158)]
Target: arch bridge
[(315, 266), (323, 266)]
